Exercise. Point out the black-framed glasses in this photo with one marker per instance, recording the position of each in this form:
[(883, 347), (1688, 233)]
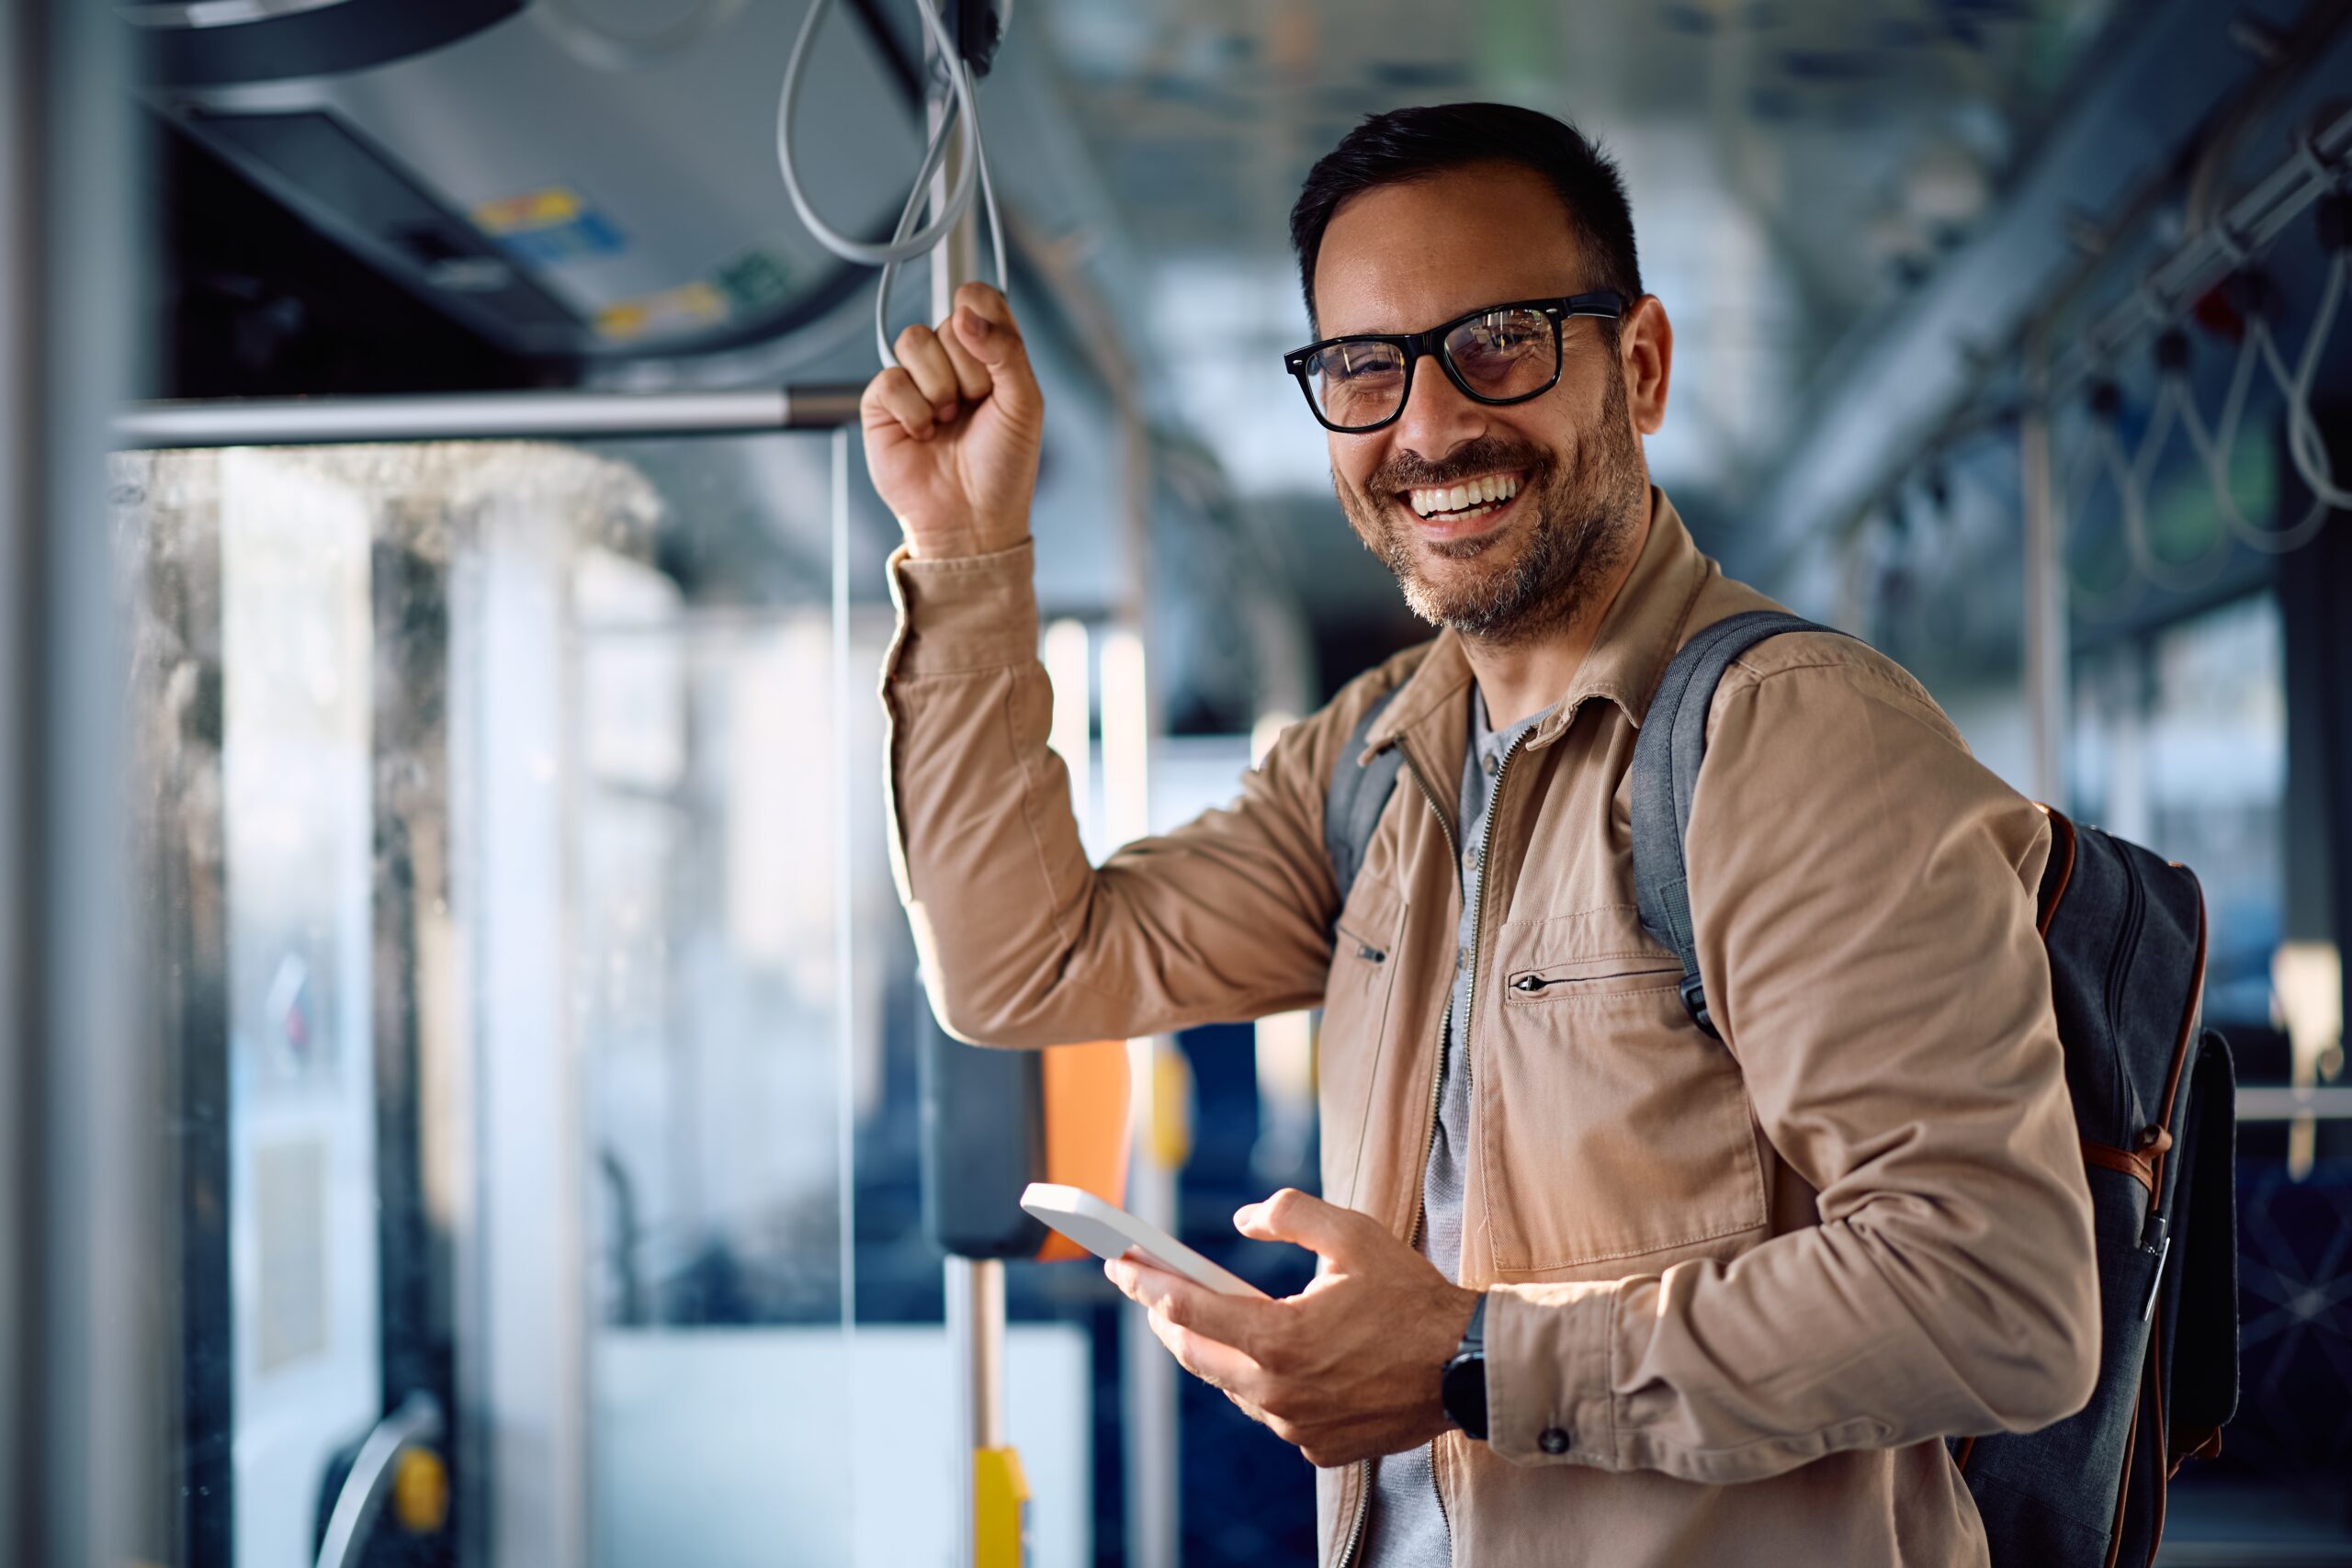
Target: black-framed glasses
[(1497, 353)]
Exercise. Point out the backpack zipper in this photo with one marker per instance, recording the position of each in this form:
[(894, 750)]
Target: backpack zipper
[(2119, 962), (2152, 1229)]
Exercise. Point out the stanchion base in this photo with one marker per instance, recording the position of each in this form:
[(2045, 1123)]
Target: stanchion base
[(999, 1511)]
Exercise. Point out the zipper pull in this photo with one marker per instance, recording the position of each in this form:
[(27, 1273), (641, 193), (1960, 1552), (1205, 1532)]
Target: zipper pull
[(1370, 953), (2155, 1280), (1530, 983)]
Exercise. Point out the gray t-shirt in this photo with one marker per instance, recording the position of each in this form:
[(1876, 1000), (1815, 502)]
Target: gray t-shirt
[(1408, 1527)]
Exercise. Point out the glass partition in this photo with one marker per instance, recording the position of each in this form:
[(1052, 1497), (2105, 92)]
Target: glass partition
[(503, 875), (2180, 744)]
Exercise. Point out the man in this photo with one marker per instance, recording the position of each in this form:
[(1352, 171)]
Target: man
[(1729, 1296)]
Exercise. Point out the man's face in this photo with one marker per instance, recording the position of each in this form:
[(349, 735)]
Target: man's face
[(1404, 257)]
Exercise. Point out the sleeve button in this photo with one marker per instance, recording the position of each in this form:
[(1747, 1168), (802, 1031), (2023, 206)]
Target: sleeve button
[(1553, 1441)]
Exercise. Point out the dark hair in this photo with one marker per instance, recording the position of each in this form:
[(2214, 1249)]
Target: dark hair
[(1414, 143)]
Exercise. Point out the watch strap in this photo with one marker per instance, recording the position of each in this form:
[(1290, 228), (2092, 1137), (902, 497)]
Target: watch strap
[(1462, 1389), (1473, 1337)]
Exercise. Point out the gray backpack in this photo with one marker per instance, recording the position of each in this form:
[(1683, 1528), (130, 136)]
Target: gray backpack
[(2155, 1102)]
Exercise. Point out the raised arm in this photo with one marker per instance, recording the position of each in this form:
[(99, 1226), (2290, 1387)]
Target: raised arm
[(1023, 941)]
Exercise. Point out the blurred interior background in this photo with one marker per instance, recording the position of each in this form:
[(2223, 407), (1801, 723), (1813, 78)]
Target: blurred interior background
[(466, 1049)]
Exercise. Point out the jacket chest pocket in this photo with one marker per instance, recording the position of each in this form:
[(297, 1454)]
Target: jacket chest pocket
[(1611, 1127), (1350, 1043)]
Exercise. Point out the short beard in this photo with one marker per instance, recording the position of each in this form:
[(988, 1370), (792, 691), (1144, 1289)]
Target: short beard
[(1584, 523)]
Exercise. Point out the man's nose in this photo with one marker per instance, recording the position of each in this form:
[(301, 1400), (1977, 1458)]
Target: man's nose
[(1437, 417)]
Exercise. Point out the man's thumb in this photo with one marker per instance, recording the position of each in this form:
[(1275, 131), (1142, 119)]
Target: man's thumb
[(1293, 1216)]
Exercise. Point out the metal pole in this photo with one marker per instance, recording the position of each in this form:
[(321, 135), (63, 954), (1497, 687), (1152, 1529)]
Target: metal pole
[(484, 417), (2045, 589), (975, 1323), (955, 260), (846, 761), (101, 1300), (1150, 1392), (974, 1286), (21, 466)]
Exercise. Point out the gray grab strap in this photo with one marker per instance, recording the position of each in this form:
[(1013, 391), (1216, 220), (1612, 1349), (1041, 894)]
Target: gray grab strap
[(1665, 775)]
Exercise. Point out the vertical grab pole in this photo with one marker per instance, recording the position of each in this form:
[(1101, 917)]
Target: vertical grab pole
[(2045, 587), (1148, 1374), (988, 1480), (88, 1442), (844, 952)]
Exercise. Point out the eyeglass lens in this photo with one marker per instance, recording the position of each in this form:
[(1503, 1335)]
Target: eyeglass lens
[(1500, 355)]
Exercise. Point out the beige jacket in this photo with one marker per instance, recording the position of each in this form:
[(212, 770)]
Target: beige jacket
[(1740, 1291)]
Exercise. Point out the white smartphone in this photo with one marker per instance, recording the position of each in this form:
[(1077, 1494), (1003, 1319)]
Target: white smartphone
[(1108, 1231)]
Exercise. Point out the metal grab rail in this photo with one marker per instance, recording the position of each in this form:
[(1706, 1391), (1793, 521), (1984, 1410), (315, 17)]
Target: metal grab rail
[(418, 1420), (2329, 1102), (483, 416)]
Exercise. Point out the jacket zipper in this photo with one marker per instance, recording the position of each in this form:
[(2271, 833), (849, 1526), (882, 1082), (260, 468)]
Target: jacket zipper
[(1363, 1512), (1478, 916), (1438, 1488), (1437, 1076), (1437, 1079), (1429, 1143)]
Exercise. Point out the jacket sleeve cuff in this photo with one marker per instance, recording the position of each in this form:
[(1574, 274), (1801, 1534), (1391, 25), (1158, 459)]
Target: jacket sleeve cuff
[(1548, 1400), (964, 612)]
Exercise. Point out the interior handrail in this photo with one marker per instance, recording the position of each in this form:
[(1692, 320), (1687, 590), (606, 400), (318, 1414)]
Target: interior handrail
[(418, 1420)]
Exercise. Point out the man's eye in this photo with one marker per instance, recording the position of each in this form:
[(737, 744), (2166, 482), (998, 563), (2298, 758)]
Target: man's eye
[(1347, 364)]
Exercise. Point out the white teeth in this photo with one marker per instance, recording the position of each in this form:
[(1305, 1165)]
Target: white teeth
[(1477, 493)]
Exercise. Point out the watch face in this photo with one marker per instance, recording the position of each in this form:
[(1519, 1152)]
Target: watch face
[(1463, 1393)]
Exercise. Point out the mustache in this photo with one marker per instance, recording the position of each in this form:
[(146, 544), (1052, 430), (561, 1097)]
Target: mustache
[(1409, 470)]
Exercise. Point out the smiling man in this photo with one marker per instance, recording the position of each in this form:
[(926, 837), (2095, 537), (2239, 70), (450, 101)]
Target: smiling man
[(1594, 1287)]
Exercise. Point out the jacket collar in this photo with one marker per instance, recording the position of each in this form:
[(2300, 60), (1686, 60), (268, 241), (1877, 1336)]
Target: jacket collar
[(1638, 634)]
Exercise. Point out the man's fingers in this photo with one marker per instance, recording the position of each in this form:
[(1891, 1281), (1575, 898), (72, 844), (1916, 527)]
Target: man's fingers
[(895, 394), (1221, 1365), (923, 357), (1229, 1320), (1291, 1215), (972, 378), (984, 323), (991, 342), (987, 315)]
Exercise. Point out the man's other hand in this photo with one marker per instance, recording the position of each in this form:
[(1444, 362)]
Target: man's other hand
[(952, 430), (1349, 1368)]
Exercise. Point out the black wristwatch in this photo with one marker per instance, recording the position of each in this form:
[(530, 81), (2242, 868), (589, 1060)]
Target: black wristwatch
[(1463, 1390)]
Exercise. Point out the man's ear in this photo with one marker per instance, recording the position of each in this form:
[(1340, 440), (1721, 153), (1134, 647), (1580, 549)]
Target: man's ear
[(1646, 352)]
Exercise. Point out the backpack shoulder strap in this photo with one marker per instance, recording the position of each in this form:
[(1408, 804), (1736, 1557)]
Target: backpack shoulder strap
[(1666, 774), (1359, 791)]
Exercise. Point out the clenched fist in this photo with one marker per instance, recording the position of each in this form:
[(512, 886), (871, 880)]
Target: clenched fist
[(952, 431)]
